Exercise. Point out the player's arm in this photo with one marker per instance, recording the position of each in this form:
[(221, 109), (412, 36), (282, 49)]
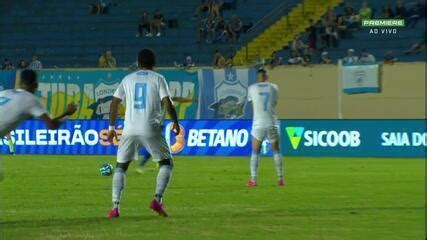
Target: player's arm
[(56, 122), (170, 108), (167, 103), (118, 96), (113, 116)]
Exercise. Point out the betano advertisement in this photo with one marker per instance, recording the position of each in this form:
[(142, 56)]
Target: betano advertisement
[(367, 138)]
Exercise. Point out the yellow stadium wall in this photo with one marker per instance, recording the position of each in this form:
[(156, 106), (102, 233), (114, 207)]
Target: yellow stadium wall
[(312, 93)]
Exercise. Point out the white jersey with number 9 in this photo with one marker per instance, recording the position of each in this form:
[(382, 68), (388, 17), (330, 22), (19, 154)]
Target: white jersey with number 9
[(142, 91)]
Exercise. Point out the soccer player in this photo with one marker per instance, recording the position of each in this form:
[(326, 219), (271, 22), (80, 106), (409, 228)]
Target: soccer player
[(144, 92), (17, 105), (263, 95)]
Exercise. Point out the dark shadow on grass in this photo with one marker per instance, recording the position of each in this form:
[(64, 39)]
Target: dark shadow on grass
[(244, 213), (248, 213), (72, 221)]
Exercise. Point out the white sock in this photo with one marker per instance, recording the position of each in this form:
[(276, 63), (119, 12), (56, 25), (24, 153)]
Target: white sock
[(254, 166), (163, 178), (119, 179), (279, 165)]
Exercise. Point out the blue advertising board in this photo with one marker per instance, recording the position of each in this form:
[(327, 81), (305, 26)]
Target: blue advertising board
[(368, 138), (7, 79), (347, 138)]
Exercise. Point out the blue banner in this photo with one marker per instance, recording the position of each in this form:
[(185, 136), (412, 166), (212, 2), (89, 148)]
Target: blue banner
[(226, 138), (92, 91), (224, 93), (347, 138), (7, 79), (367, 138)]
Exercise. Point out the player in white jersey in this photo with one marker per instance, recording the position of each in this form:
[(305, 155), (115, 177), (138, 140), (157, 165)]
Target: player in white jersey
[(143, 92), (264, 95), (17, 105)]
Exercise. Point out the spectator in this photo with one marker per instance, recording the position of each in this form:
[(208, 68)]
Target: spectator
[(144, 24), (298, 46), (7, 65), (35, 63), (418, 47), (203, 7), (348, 10), (312, 36), (330, 16), (331, 35), (219, 60), (188, 63), (22, 64), (229, 61), (234, 28), (215, 8), (416, 11), (259, 62), (324, 58), (388, 12), (365, 12), (366, 58), (341, 27), (350, 58), (218, 30), (157, 24), (400, 10), (95, 8), (99, 7), (106, 60), (389, 57), (205, 29), (296, 59), (274, 60)]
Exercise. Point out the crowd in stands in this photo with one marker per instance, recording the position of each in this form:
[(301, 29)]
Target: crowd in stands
[(151, 26), (323, 34), (35, 64), (213, 27), (331, 29)]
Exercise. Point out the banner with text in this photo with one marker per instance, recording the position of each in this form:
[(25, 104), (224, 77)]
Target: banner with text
[(92, 91), (349, 138), (224, 93), (226, 138), (368, 138)]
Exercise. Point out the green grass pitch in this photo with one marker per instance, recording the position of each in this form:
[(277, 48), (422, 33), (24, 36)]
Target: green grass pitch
[(65, 197)]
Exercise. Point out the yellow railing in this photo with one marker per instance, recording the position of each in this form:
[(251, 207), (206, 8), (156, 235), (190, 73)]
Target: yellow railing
[(282, 32)]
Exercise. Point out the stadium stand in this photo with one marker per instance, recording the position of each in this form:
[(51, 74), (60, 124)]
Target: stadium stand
[(376, 44), (66, 35)]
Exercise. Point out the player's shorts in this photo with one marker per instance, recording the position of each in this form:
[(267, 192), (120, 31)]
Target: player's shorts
[(271, 133), (156, 145)]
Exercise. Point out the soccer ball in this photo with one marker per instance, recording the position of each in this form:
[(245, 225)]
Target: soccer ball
[(106, 169)]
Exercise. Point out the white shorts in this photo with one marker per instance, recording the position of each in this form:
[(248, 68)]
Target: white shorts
[(130, 144), (271, 133)]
